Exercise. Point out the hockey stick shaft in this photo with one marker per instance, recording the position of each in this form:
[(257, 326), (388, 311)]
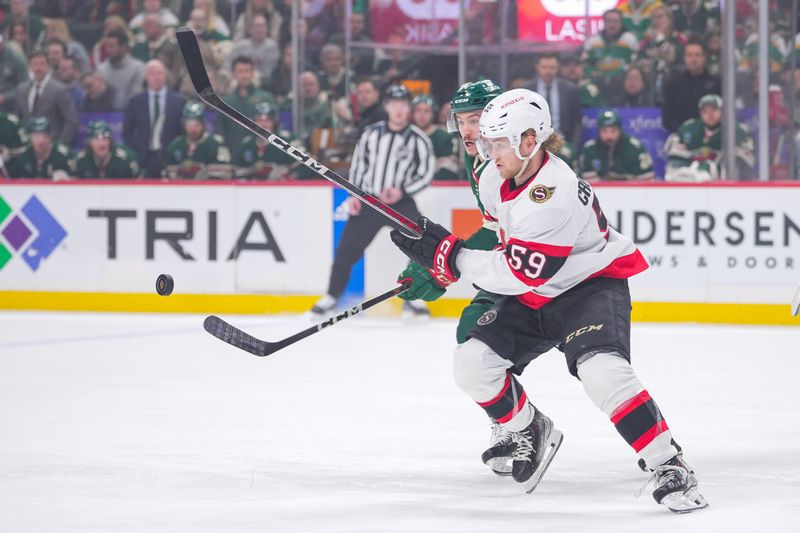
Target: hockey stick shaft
[(244, 341), (190, 49)]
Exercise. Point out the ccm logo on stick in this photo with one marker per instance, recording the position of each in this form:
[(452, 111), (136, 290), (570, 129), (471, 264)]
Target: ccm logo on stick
[(586, 329)]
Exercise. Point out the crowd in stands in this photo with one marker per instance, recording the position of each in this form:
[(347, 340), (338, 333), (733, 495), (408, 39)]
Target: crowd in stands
[(63, 60)]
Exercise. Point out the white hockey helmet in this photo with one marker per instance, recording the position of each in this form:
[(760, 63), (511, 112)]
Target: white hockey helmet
[(510, 115)]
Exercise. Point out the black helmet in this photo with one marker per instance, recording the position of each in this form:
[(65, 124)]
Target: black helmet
[(397, 92)]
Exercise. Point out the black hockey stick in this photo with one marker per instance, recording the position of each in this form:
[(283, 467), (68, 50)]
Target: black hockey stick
[(244, 341), (190, 49)]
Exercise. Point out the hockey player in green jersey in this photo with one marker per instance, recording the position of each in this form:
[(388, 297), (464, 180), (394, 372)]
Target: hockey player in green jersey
[(445, 145), (43, 156), (465, 112), (102, 158), (694, 152), (614, 155), (197, 154), (256, 159), (12, 137)]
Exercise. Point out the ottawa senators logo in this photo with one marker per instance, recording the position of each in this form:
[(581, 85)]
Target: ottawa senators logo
[(487, 318), (541, 193)]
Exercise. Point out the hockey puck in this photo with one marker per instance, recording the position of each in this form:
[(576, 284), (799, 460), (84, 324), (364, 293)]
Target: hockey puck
[(164, 284)]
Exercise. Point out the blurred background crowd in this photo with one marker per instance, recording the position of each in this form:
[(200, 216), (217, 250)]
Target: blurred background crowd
[(98, 88)]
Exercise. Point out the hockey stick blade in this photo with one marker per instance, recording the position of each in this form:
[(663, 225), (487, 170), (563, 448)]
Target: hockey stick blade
[(244, 341), (190, 49), (796, 303)]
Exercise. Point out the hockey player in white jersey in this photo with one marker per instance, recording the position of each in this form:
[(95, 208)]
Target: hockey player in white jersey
[(564, 272)]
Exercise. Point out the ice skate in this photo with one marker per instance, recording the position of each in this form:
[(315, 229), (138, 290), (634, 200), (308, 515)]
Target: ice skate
[(643, 465), (501, 448), (536, 445), (676, 487), (324, 308), (415, 310)]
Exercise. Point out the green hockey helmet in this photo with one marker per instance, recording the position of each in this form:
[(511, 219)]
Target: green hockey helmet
[(609, 118), (710, 99), (424, 99), (265, 109), (471, 96), (38, 124), (98, 129), (193, 111)]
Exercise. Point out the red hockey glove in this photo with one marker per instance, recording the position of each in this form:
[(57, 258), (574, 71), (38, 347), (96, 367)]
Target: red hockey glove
[(436, 250)]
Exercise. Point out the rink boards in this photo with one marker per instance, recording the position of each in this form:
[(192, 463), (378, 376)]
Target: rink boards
[(718, 253)]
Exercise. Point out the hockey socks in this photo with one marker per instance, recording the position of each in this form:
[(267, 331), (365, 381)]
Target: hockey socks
[(610, 382)]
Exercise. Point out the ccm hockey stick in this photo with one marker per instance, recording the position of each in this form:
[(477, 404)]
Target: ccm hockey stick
[(244, 341), (187, 41)]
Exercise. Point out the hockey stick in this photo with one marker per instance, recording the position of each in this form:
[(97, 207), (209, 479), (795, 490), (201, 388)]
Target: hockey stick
[(796, 303), (244, 341), (190, 49)]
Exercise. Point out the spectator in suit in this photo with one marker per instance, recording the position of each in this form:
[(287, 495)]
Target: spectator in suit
[(45, 96), (683, 92), (152, 120), (13, 71), (561, 95), (97, 94), (120, 70)]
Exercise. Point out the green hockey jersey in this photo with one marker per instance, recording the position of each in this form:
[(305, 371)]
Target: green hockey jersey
[(207, 158), (26, 166), (627, 159), (12, 136), (120, 164), (695, 144), (445, 149)]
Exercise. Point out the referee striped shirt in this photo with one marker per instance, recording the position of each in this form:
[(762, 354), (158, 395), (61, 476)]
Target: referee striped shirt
[(385, 158)]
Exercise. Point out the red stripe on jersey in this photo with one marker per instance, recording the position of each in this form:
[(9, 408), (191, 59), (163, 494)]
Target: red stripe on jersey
[(533, 300), (546, 249), (520, 404), (627, 407), (500, 394), (507, 194), (624, 267), (489, 217), (648, 436)]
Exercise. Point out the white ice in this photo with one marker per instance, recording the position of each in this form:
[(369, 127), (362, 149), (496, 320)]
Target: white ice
[(146, 423)]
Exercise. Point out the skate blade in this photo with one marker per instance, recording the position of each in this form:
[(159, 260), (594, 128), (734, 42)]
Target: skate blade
[(549, 452), (500, 465), (685, 502)]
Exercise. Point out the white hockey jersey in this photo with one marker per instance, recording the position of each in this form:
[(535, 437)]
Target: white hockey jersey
[(553, 233)]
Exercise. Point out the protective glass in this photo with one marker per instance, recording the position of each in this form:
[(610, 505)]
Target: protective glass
[(491, 148)]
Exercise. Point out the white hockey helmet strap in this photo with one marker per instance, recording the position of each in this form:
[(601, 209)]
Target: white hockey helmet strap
[(513, 113)]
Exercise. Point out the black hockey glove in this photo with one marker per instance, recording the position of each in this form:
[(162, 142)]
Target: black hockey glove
[(436, 250)]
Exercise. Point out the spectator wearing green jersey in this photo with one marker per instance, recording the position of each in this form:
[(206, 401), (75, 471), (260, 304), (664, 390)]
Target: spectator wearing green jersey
[(197, 154), (43, 157), (608, 53), (695, 151), (445, 146), (613, 155), (102, 158), (12, 137)]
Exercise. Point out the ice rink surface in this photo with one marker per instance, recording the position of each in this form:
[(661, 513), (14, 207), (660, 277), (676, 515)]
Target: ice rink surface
[(146, 423)]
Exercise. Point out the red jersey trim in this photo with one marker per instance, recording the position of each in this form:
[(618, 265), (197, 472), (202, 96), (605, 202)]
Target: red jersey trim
[(627, 407), (506, 194)]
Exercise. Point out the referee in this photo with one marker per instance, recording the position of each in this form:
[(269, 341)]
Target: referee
[(393, 160)]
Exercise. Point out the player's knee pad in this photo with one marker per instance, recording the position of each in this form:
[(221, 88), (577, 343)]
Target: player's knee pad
[(478, 370), (608, 379)]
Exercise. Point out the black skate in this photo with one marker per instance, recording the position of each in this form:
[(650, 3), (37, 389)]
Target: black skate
[(537, 444), (643, 465), (676, 487), (501, 449)]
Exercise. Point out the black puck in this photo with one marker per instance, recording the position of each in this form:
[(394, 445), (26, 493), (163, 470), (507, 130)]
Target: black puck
[(164, 284)]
